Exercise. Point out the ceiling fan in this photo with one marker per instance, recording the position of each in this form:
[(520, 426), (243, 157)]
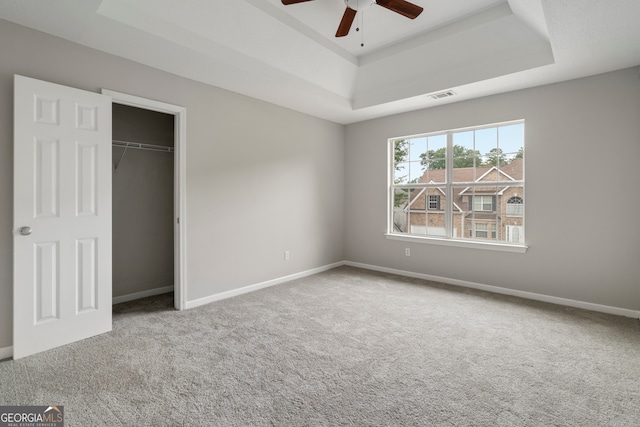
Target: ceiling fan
[(402, 7)]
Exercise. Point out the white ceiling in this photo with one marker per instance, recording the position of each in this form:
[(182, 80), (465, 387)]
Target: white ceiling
[(288, 55)]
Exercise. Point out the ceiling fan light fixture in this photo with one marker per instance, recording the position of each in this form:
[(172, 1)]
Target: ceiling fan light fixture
[(359, 4)]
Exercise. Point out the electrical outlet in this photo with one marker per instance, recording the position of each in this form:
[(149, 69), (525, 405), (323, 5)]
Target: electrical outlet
[(286, 255), (407, 252)]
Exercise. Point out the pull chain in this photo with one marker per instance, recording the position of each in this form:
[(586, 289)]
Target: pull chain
[(359, 15), (362, 25)]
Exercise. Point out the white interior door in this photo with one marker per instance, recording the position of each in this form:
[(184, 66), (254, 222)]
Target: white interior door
[(62, 215)]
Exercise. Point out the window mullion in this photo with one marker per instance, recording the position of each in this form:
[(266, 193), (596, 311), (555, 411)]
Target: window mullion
[(448, 207)]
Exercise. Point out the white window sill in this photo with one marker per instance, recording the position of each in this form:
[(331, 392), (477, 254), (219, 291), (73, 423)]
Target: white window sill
[(473, 244)]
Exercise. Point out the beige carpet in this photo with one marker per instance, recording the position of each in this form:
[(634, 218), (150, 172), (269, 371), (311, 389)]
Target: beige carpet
[(344, 347)]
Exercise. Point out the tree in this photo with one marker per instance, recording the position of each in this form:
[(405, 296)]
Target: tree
[(462, 158), (496, 157), (520, 154), (400, 153)]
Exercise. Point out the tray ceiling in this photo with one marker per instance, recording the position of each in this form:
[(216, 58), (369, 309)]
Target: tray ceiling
[(288, 55)]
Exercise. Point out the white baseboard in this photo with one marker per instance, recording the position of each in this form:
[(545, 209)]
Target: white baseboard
[(143, 294), (6, 352), (257, 286), (505, 291)]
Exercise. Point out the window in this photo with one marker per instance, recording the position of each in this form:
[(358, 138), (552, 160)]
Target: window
[(461, 185), (515, 206), (483, 203), (434, 202), (482, 230)]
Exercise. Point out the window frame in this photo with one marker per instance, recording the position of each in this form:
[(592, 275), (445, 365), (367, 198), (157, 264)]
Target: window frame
[(489, 243)]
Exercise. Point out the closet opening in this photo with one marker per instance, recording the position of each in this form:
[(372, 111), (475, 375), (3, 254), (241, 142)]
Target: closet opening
[(148, 141)]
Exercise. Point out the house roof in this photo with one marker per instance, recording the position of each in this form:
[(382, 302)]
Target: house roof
[(511, 171), (514, 171)]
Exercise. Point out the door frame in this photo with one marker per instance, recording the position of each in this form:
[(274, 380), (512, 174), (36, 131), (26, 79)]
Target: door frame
[(179, 184)]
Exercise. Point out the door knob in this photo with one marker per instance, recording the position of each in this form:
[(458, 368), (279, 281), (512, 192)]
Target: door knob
[(25, 231)]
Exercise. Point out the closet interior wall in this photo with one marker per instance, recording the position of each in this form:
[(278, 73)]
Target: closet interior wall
[(143, 208)]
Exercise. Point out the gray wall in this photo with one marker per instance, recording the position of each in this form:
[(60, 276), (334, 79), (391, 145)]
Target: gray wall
[(260, 179), (582, 171), (142, 202)]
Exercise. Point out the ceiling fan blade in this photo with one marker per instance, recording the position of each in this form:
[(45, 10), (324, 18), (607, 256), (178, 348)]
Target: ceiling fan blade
[(286, 2), (345, 24), (402, 7)]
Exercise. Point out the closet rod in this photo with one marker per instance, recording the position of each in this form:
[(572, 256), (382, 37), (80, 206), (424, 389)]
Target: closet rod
[(141, 146), (138, 146)]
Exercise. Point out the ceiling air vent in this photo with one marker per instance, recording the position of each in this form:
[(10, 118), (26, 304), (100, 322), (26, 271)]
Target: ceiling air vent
[(440, 95)]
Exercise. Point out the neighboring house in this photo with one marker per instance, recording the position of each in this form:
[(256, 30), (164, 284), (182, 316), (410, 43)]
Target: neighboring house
[(494, 212)]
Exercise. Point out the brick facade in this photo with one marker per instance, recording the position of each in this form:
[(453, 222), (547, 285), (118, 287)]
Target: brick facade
[(499, 207)]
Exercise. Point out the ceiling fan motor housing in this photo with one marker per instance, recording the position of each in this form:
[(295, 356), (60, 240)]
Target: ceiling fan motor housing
[(359, 4)]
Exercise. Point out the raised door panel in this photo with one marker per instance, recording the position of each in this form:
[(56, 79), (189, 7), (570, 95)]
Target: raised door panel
[(86, 280), (47, 281), (47, 177), (86, 179)]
